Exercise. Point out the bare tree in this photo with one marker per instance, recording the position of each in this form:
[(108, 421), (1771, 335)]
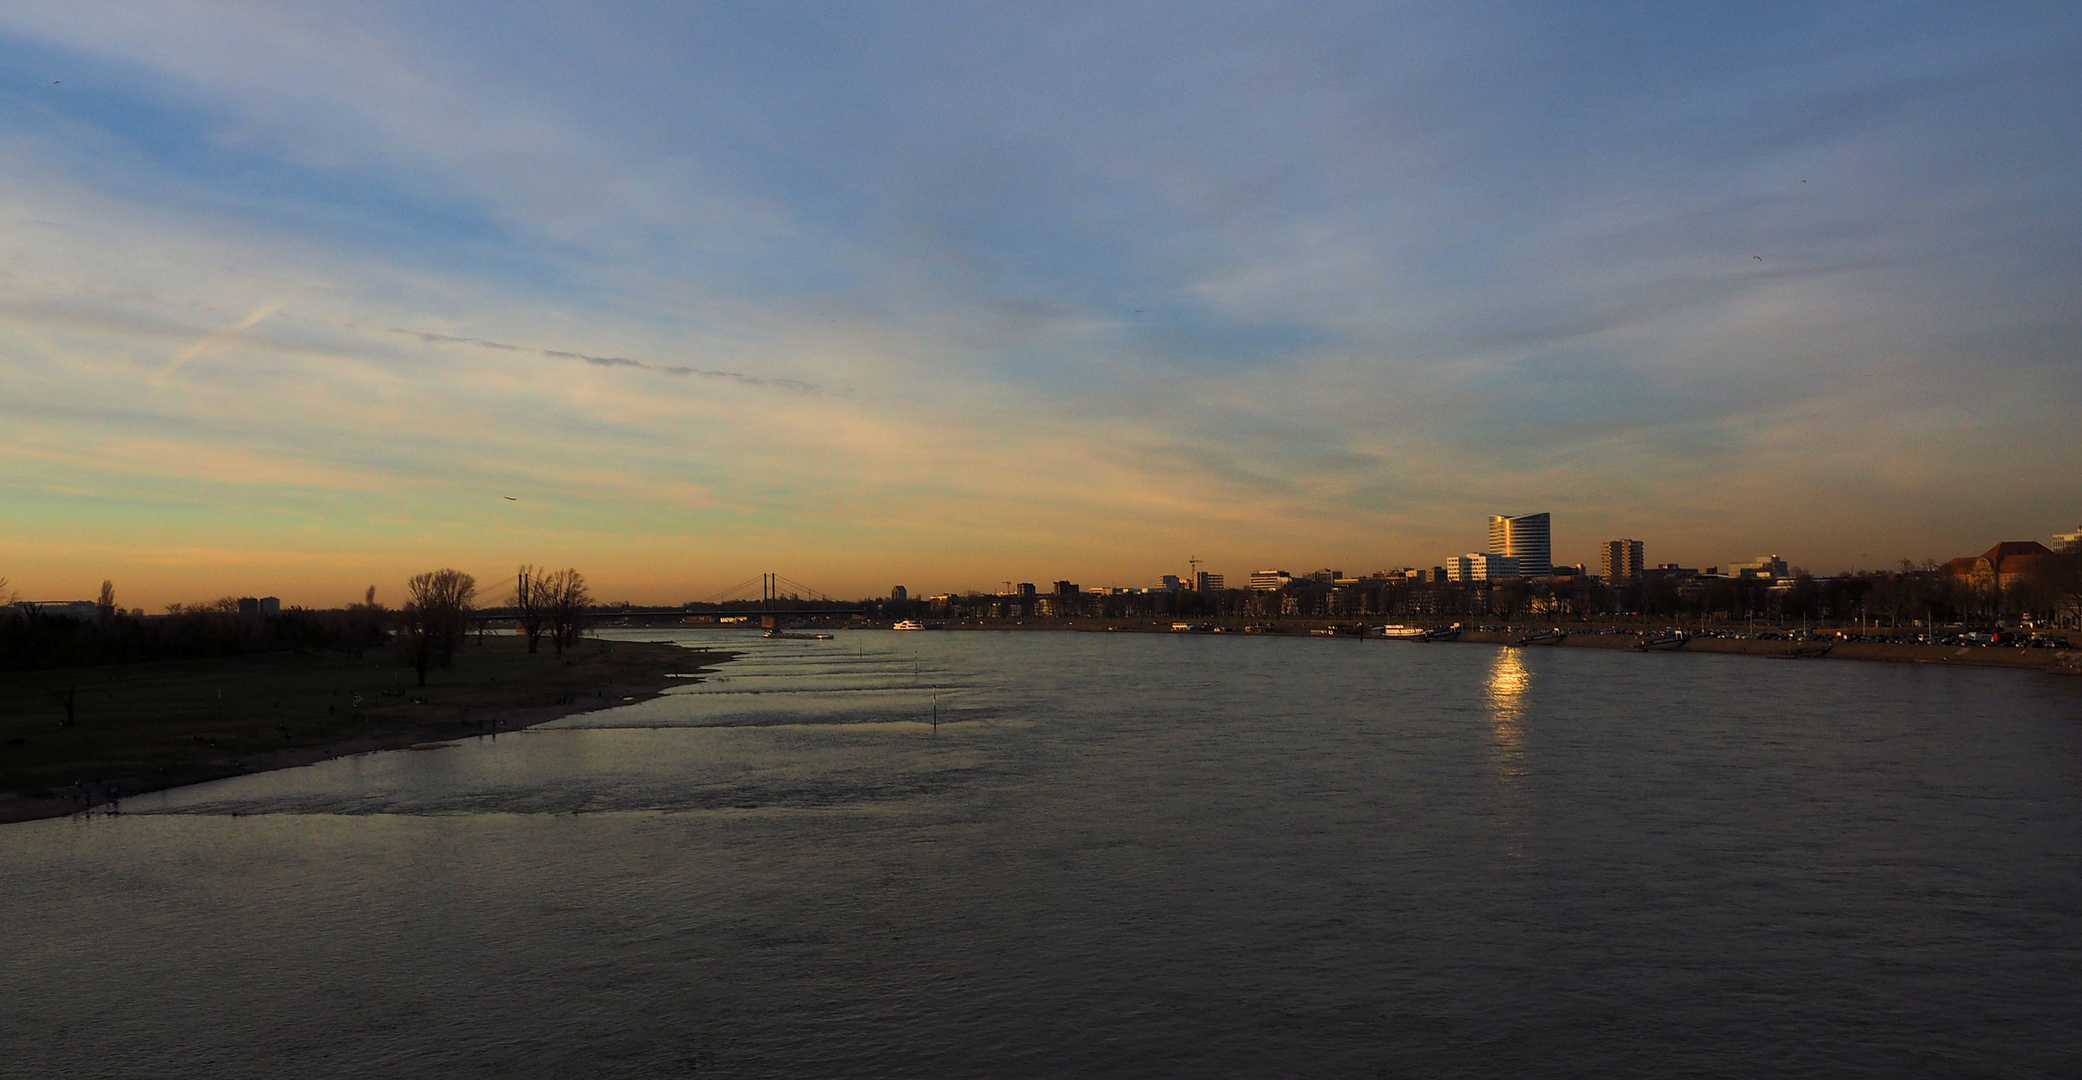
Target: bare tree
[(565, 600), (434, 619), (107, 603), (531, 603)]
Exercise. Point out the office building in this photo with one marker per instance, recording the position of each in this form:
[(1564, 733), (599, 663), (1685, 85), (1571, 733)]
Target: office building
[(1206, 582), (899, 594), (1525, 538), (1763, 566), (1481, 566), (1270, 580), (1066, 589), (1623, 562)]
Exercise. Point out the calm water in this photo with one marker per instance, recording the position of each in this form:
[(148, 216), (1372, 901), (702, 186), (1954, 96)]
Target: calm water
[(1118, 855)]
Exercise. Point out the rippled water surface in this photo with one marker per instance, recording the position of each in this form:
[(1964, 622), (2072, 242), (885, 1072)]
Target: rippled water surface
[(1114, 855)]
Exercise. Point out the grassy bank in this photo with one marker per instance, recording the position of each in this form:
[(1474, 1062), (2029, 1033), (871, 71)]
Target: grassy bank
[(140, 727)]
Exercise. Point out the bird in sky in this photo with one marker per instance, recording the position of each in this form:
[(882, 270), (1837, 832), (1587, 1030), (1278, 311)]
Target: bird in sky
[(509, 498), (1759, 258)]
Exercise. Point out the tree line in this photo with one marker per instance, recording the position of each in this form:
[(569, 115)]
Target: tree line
[(424, 633), (34, 640)]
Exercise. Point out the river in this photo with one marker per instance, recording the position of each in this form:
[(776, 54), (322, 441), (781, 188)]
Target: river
[(1063, 854)]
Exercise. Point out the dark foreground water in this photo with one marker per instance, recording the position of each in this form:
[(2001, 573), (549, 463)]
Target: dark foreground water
[(1118, 855)]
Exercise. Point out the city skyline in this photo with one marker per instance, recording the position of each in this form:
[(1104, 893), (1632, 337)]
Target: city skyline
[(1626, 553), (301, 299)]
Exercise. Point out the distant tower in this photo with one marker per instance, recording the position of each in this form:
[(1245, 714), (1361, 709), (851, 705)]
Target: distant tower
[(1623, 562), (1525, 538), (899, 594)]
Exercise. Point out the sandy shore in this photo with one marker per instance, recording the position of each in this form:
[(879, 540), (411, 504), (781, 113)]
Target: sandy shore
[(640, 673)]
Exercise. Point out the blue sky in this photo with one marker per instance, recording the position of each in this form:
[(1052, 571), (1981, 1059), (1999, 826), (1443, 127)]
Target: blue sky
[(293, 294)]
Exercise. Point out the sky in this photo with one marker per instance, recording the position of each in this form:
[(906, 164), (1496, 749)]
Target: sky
[(297, 298)]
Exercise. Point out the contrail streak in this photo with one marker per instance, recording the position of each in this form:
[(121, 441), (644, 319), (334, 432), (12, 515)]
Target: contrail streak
[(235, 329), (790, 385)]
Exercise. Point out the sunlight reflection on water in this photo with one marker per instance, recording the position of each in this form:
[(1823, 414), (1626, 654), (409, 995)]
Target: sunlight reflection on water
[(1507, 686)]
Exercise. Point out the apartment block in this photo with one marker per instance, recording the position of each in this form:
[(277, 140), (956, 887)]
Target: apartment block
[(1623, 561)]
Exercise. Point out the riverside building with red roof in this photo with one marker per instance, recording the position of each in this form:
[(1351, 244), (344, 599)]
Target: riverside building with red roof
[(2002, 566)]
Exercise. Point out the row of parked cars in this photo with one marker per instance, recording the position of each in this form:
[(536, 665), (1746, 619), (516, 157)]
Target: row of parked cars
[(2014, 639)]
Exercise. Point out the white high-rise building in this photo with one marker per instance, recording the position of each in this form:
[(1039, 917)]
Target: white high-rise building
[(1526, 539)]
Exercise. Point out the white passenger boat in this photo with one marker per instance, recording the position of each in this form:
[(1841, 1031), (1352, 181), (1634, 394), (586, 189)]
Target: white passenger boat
[(1405, 633), (909, 624)]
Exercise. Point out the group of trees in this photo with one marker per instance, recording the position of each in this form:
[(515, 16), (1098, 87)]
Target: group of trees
[(438, 606), (550, 603), (32, 640)]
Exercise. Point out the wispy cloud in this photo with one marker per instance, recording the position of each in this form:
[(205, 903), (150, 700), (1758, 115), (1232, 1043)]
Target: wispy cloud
[(1071, 288)]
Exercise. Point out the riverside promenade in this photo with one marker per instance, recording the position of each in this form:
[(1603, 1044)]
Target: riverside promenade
[(1822, 645)]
